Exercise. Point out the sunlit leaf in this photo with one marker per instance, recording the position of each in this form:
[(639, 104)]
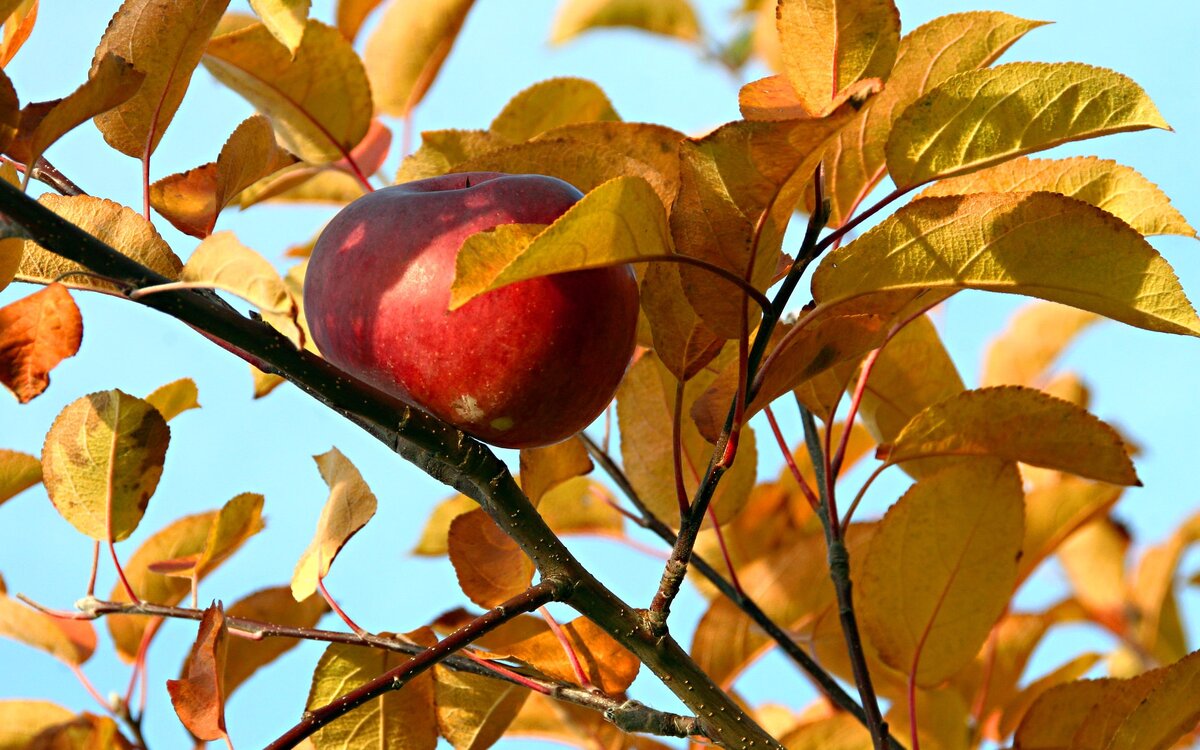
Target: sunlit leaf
[(941, 568), (581, 506), (165, 42), (20, 17), (399, 718), (442, 150), (1016, 708), (828, 45), (551, 104), (349, 506), (841, 731), (36, 334), (69, 641), (942, 718), (683, 343), (606, 663), (285, 19), (199, 695), (352, 13), (120, 227), (264, 382), (1158, 629), (1057, 510), (433, 540), (84, 732), (655, 145), (1120, 190), (543, 469), (175, 397), (491, 568), (319, 100), (274, 605), (102, 460), (406, 50), (1093, 559), (931, 53), (22, 720), (192, 200), (667, 17), (472, 710), (1034, 338), (618, 222), (547, 719), (983, 117), (1038, 244), (18, 472)]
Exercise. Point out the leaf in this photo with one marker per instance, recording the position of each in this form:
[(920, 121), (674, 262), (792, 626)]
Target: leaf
[(351, 14), (1035, 337), (1152, 589), (933, 52), (581, 506), (618, 222), (199, 695), (400, 718), (102, 460), (605, 662), (841, 731), (1120, 190), (1019, 705), (192, 200), (434, 536), (1148, 712), (36, 334), (682, 341), (120, 227), (319, 100), (20, 17), (221, 261), (85, 731), (274, 605), (112, 82), (206, 539), (551, 104), (1017, 424), (18, 472), (1037, 244), (941, 569), (70, 641), (175, 397), (1055, 511), (491, 568), (285, 19), (543, 469), (165, 43), (828, 45), (983, 117), (22, 720), (654, 145), (407, 49), (264, 382), (350, 505), (442, 150), (1094, 560), (674, 18), (473, 711)]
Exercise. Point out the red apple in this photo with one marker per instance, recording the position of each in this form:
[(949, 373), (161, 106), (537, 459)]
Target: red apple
[(525, 365)]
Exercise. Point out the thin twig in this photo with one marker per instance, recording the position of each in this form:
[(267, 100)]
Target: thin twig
[(44, 172)]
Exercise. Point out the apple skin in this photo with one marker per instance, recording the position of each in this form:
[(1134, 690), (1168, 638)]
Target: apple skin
[(528, 364)]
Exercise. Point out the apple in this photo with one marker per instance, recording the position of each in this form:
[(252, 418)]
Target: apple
[(528, 364)]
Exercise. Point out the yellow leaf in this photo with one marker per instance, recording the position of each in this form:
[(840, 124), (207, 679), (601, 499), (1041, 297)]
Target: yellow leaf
[(655, 145), (22, 720), (102, 460), (941, 569), (285, 19), (264, 382), (683, 343), (18, 472), (605, 662), (491, 568), (36, 334), (192, 200), (274, 605), (407, 49), (1017, 424), (220, 261), (190, 537), (547, 719), (350, 505), (12, 250), (1094, 560), (198, 696), (667, 17), (983, 117), (933, 52), (1035, 337), (352, 13), (473, 710), (942, 718), (551, 104), (318, 100), (1149, 712), (823, 394), (1037, 244), (442, 150), (841, 731), (165, 42), (85, 730), (543, 469), (1019, 705), (433, 539), (581, 506), (120, 227), (828, 45), (20, 17), (1057, 510), (1120, 190), (399, 719), (619, 222), (175, 397), (1158, 629), (70, 641)]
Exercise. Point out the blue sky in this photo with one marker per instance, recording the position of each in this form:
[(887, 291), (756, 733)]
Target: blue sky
[(1145, 383)]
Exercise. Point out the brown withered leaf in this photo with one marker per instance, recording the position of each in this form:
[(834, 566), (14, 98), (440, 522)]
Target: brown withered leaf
[(118, 226), (319, 101), (407, 49), (349, 506), (543, 469), (36, 334), (20, 16), (175, 397), (165, 42), (285, 19), (491, 568), (473, 711), (10, 112), (18, 472), (352, 13), (551, 104), (192, 200), (22, 720), (274, 605), (69, 641), (102, 460), (199, 695)]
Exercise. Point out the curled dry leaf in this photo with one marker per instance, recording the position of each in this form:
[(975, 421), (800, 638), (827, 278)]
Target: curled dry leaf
[(36, 334), (199, 694)]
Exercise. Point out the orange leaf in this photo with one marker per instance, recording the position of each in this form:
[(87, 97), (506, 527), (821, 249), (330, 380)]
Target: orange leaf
[(490, 566), (21, 16), (607, 664), (18, 472), (36, 333), (543, 469), (407, 49), (352, 13), (199, 696), (70, 641), (10, 112), (22, 720), (274, 605), (85, 731)]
